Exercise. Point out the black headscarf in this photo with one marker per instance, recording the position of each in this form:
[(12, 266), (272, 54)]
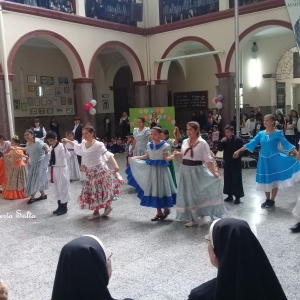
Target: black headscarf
[(244, 271), (81, 271)]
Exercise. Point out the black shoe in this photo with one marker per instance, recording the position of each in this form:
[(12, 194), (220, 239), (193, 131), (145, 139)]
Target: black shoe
[(157, 218), (270, 203), (63, 209), (237, 201), (265, 203), (56, 211), (41, 198), (166, 213), (228, 199), (30, 201), (295, 228)]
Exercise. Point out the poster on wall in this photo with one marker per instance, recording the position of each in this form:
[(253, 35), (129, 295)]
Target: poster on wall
[(166, 117), (293, 7)]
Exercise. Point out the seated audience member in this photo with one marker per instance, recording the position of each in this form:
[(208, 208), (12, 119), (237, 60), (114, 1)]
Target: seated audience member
[(244, 271), (83, 271), (3, 291), (55, 5)]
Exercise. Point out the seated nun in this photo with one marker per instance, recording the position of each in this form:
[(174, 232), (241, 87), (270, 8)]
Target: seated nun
[(244, 271), (83, 271)]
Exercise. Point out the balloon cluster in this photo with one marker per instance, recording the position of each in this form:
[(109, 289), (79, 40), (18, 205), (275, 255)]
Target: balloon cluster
[(218, 101), (90, 107)]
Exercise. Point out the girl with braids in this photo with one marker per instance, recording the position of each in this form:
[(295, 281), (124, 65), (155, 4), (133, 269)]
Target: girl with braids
[(275, 169), (199, 186), (37, 166), (16, 173), (101, 185)]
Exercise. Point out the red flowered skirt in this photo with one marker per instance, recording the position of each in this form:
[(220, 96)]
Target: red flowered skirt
[(100, 187)]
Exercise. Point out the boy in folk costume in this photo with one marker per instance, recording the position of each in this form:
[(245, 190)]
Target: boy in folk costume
[(233, 183), (60, 175)]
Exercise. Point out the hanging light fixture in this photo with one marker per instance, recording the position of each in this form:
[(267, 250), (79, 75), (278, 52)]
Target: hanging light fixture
[(254, 47)]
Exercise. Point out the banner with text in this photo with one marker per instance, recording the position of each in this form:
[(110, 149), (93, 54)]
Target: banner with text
[(293, 7)]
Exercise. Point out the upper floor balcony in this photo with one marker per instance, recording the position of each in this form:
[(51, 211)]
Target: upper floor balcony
[(142, 13)]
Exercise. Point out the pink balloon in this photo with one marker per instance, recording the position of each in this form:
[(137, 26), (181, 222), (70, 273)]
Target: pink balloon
[(86, 106), (216, 100)]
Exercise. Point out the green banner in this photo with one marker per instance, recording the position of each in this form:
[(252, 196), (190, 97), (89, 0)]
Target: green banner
[(166, 117)]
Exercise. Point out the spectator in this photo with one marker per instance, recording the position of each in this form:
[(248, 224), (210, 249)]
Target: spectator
[(280, 121), (250, 124), (38, 129), (202, 120), (259, 126), (107, 126), (54, 126), (55, 5), (68, 7), (209, 121), (257, 112), (244, 134), (216, 118), (125, 125), (290, 130), (244, 271), (194, 117)]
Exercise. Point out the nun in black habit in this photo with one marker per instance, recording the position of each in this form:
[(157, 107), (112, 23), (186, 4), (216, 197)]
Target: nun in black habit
[(244, 271), (83, 271), (233, 182)]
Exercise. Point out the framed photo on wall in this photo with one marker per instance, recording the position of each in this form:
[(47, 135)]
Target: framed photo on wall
[(41, 111), (63, 101), (29, 101), (47, 80), (49, 111), (33, 111), (63, 80), (49, 102), (70, 101), (16, 104), (39, 91), (66, 89), (69, 111), (31, 88), (48, 90), (31, 79), (37, 101), (58, 92), (54, 102), (105, 104), (59, 110), (44, 101), (24, 106)]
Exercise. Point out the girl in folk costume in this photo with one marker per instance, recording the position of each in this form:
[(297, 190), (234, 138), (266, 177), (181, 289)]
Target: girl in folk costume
[(72, 160), (60, 175), (101, 185), (275, 169), (151, 177), (37, 166), (4, 149), (165, 135), (16, 173), (199, 187)]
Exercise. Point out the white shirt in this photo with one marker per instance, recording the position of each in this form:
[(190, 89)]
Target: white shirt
[(250, 125), (61, 155), (201, 151), (75, 127), (94, 155)]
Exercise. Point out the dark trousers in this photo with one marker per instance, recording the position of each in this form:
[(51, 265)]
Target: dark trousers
[(79, 159)]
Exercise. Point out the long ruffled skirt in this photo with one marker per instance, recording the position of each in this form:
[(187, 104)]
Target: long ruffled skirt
[(100, 187)]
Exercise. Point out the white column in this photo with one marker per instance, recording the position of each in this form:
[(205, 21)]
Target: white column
[(80, 7)]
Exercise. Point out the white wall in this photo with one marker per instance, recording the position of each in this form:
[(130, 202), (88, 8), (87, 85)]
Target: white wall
[(269, 53), (41, 62)]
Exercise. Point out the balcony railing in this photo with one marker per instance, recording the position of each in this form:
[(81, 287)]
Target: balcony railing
[(243, 2), (176, 10), (67, 6)]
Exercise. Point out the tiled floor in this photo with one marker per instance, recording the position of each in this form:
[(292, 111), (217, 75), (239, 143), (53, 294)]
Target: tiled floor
[(152, 261)]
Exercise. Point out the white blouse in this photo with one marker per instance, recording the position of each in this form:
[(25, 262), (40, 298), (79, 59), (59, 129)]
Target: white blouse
[(70, 146), (94, 155), (201, 151)]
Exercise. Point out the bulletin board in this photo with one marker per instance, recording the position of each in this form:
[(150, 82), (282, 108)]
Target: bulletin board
[(166, 117)]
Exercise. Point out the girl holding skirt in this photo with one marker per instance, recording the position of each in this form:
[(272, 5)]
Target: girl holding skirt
[(151, 177), (72, 160), (101, 185), (16, 173), (38, 153), (199, 187), (4, 149), (275, 169)]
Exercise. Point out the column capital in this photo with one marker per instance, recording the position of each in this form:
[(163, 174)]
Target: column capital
[(83, 80), (139, 83), (10, 76), (269, 76), (225, 75), (161, 81)]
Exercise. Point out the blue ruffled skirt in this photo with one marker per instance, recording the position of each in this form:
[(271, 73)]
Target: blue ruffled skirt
[(277, 171), (153, 182)]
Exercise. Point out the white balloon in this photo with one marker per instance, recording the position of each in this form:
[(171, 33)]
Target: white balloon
[(94, 102), (219, 105), (92, 111)]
